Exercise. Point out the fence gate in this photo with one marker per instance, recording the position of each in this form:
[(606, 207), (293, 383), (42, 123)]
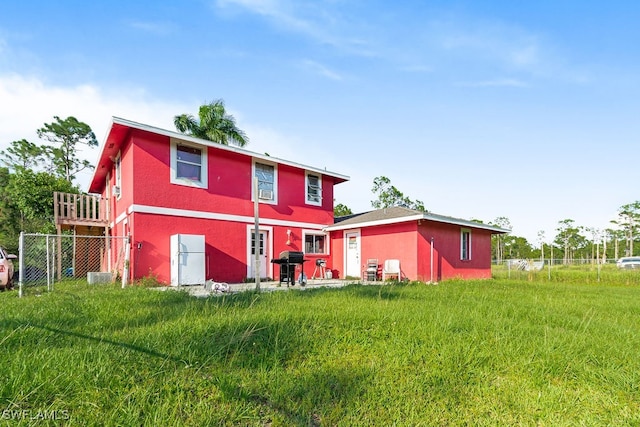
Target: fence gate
[(48, 258)]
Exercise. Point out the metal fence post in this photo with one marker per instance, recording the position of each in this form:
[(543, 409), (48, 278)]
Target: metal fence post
[(48, 265), (127, 259), (21, 261)]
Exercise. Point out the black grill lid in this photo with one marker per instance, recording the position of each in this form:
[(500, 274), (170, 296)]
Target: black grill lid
[(292, 256)]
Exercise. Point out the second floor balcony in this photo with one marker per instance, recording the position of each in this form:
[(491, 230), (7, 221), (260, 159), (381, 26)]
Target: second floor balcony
[(79, 210)]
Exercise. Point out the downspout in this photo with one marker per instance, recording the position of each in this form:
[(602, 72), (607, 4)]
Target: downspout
[(431, 269)]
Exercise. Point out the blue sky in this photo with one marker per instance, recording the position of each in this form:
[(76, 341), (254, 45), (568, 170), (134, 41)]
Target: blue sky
[(481, 109)]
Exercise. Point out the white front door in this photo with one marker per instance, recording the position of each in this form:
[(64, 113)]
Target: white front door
[(261, 251), (352, 251)]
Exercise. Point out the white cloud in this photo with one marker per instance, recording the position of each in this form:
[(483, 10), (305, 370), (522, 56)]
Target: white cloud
[(278, 12), (320, 69), (29, 102), (315, 20), (508, 45)]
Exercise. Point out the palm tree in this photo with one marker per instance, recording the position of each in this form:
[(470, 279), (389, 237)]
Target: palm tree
[(213, 124)]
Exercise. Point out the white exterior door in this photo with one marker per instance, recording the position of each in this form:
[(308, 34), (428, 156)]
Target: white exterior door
[(262, 251), (352, 253)]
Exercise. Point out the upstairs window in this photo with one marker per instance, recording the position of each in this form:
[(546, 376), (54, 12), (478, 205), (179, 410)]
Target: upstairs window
[(267, 176), (465, 244), (188, 164), (314, 189), (117, 188)]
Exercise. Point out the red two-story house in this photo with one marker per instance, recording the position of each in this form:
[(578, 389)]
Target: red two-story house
[(160, 184)]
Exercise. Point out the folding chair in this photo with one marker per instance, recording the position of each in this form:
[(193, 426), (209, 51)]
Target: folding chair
[(370, 272)]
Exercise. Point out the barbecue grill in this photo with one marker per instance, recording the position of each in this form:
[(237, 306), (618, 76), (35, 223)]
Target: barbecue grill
[(288, 261)]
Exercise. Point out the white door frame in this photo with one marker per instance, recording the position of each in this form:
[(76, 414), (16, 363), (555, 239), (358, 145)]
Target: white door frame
[(268, 250), (357, 267)]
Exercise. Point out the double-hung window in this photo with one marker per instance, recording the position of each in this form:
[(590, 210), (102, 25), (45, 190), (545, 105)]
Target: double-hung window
[(314, 189), (188, 164), (267, 176), (465, 244)]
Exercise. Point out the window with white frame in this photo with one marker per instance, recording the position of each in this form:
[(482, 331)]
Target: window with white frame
[(267, 177), (465, 244), (117, 188), (315, 243), (188, 164), (314, 189)]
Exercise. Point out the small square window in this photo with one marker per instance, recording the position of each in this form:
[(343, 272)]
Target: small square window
[(315, 244)]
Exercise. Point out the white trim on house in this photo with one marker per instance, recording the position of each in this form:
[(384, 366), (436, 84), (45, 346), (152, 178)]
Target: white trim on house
[(268, 249), (119, 219), (327, 246), (345, 254), (338, 226), (273, 200), (155, 210), (465, 245)]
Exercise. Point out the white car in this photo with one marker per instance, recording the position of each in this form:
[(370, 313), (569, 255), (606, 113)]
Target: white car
[(629, 262), (6, 269)]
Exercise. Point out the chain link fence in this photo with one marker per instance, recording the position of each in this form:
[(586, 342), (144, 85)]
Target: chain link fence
[(560, 270), (49, 258)]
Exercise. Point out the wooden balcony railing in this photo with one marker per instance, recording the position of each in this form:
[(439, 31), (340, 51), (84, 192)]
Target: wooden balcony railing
[(79, 209)]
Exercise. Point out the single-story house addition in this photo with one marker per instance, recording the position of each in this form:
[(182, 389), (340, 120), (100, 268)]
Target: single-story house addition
[(429, 247)]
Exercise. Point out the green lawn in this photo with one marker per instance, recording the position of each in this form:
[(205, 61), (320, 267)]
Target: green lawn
[(494, 352)]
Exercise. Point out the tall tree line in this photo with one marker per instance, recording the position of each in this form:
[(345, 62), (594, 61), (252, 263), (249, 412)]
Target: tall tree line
[(32, 171), (575, 243)]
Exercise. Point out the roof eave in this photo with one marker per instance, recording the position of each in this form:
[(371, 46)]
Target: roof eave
[(97, 181), (409, 218), (188, 138)]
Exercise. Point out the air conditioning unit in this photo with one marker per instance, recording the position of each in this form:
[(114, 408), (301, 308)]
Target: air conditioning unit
[(116, 190), (265, 194)]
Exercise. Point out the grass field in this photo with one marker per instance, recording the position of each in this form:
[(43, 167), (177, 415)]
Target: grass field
[(494, 352), (582, 274)]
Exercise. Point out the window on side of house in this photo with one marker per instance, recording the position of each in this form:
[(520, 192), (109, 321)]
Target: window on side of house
[(117, 189), (313, 194), (267, 182), (465, 244), (316, 243), (188, 164)]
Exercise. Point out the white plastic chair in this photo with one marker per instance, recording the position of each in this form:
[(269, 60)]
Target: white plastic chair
[(391, 268)]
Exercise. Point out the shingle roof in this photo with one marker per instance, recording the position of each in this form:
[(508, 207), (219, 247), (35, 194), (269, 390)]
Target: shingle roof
[(378, 215), (398, 214)]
